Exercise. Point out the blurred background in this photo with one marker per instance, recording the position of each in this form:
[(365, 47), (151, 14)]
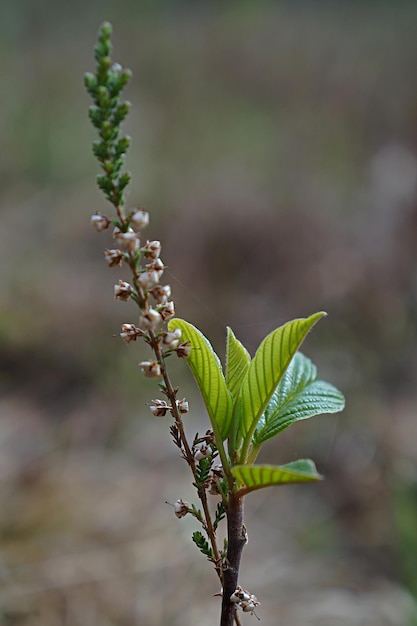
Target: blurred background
[(275, 145)]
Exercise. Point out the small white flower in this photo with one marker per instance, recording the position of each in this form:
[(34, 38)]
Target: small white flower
[(139, 219), (152, 249), (215, 476), (184, 350), (150, 319), (157, 265), (159, 408), (161, 293), (181, 508), (148, 279), (202, 451), (170, 339), (182, 405), (150, 369), (127, 240), (122, 291), (100, 222), (245, 600), (130, 333), (113, 257), (167, 310)]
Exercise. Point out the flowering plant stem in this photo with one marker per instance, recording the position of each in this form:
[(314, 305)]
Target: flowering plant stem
[(250, 402)]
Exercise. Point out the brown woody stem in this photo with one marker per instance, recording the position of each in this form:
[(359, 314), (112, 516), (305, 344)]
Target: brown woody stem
[(189, 456), (236, 542)]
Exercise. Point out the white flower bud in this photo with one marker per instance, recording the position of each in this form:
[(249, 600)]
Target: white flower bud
[(184, 350), (167, 311), (182, 405), (114, 258), (160, 408), (161, 293), (245, 600), (139, 219), (100, 222), (156, 265), (148, 279), (181, 508), (170, 339), (217, 470), (202, 451), (150, 319), (150, 369), (130, 333), (122, 291), (128, 241), (152, 249)]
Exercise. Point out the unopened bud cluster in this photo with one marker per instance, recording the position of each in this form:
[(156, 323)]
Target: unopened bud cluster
[(245, 600), (142, 257)]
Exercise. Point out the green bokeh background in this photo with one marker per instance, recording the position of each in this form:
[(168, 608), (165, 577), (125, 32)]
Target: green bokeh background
[(275, 145)]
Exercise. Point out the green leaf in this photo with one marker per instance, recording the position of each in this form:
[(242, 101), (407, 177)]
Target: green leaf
[(298, 396), (264, 373), (237, 362), (252, 477), (207, 371)]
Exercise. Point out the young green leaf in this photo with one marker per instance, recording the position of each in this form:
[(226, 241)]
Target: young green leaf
[(207, 371), (252, 477), (264, 373), (237, 362), (298, 396)]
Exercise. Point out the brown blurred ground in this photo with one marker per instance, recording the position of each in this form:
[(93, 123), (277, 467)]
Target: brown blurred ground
[(275, 145)]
